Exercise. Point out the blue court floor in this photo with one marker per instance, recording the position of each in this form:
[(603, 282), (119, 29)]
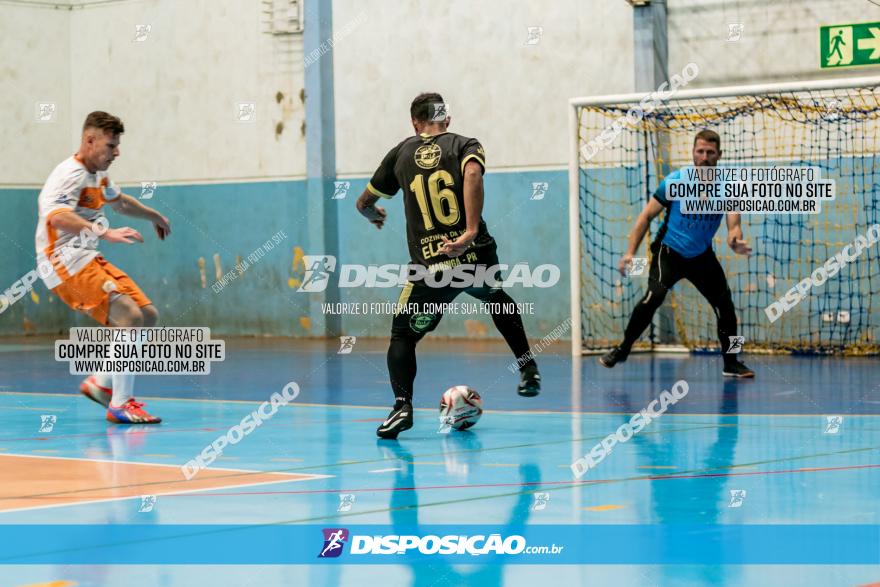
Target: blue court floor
[(800, 444)]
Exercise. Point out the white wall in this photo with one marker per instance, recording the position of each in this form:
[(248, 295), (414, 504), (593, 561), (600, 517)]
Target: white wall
[(780, 40), (176, 92), (510, 95), (34, 67)]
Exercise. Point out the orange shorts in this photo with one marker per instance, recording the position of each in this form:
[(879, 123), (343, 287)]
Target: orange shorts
[(90, 289)]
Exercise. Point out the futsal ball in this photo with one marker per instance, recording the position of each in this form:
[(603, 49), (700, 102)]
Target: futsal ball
[(461, 407)]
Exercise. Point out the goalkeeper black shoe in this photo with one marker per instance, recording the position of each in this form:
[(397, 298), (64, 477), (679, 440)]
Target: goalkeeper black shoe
[(736, 369), (530, 383), (400, 419), (613, 357)]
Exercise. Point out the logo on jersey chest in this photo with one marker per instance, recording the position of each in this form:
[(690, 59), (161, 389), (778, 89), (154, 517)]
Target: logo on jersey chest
[(91, 198), (701, 221), (428, 156)]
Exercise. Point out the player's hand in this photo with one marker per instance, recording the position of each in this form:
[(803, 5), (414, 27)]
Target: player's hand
[(376, 215), (122, 235), (162, 226), (379, 217), (458, 246), (625, 263), (739, 246)]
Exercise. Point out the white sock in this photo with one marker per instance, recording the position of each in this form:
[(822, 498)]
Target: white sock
[(123, 388), (104, 380)]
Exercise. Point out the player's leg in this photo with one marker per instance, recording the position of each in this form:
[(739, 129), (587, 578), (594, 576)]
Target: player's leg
[(99, 387), (667, 267), (124, 312), (707, 275), (407, 328), (124, 305), (85, 292), (151, 315), (506, 317)]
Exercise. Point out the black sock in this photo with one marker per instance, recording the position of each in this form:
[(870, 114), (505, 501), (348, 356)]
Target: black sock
[(642, 315), (510, 325), (729, 359), (638, 323), (402, 367)]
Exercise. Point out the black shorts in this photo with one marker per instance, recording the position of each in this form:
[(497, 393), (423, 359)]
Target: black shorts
[(668, 267), (419, 300)]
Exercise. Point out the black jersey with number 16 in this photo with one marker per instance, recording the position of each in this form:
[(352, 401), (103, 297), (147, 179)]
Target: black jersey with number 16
[(430, 170)]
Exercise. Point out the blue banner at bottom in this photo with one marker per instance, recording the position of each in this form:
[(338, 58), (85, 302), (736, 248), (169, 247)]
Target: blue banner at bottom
[(455, 544)]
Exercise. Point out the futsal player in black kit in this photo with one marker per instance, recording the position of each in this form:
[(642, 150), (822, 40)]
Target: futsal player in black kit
[(441, 174)]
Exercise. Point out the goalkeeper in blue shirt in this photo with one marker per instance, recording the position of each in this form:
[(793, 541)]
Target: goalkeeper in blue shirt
[(683, 249)]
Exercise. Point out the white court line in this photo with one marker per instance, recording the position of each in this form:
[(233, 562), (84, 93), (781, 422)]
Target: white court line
[(44, 410), (309, 477), (385, 409)]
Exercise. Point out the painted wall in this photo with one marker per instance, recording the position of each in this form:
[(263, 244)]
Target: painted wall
[(229, 185), (780, 39), (34, 48), (34, 69), (509, 94), (178, 90)]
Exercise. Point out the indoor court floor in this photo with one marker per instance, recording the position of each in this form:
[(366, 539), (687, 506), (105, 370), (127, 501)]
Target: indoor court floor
[(761, 455)]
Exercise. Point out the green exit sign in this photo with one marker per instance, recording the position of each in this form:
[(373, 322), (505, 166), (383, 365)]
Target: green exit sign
[(846, 45)]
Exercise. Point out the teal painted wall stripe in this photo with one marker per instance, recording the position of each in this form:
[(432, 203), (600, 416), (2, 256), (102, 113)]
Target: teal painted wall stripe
[(234, 220)]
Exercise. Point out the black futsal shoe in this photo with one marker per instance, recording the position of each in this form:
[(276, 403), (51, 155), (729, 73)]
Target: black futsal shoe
[(530, 383), (400, 419), (734, 368), (613, 357)]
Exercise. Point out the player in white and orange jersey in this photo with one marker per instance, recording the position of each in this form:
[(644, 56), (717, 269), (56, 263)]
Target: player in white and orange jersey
[(71, 222)]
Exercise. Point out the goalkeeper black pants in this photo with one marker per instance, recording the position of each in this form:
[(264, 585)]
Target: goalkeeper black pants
[(705, 272)]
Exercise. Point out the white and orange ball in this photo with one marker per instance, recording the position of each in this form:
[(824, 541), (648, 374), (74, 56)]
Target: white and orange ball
[(461, 407)]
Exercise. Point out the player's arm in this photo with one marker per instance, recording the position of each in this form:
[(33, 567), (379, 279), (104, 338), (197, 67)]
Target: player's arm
[(70, 221), (383, 184), (472, 191), (58, 204), (129, 206), (366, 205), (735, 239), (651, 210)]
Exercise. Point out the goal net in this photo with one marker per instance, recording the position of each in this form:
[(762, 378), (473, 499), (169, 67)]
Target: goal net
[(830, 124)]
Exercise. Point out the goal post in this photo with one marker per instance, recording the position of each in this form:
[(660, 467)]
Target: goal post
[(616, 162)]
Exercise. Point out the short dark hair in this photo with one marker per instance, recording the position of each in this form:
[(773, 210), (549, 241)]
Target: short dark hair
[(104, 121), (710, 136), (421, 108)]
